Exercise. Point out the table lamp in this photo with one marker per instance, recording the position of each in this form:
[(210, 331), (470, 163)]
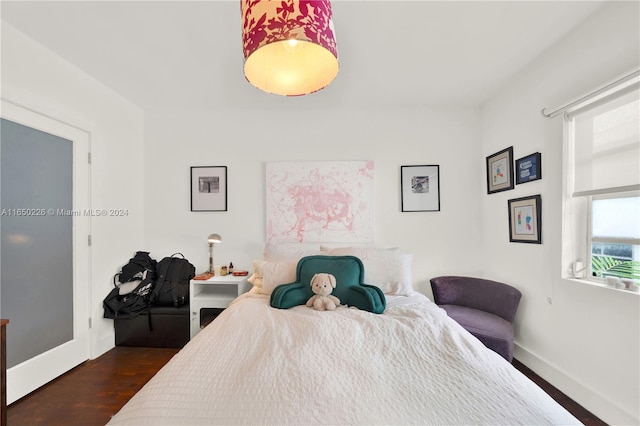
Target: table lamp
[(213, 238)]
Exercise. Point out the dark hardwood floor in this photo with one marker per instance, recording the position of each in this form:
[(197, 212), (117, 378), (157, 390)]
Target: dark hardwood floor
[(95, 390), (581, 413)]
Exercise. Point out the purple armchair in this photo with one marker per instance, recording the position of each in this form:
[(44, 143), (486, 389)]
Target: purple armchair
[(484, 308)]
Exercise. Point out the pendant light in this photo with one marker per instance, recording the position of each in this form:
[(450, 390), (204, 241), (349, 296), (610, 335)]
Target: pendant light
[(289, 46)]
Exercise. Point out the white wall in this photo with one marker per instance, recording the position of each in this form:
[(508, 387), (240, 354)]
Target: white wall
[(40, 80), (585, 339), (244, 140)]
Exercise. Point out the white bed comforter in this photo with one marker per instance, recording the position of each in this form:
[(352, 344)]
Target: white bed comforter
[(411, 365)]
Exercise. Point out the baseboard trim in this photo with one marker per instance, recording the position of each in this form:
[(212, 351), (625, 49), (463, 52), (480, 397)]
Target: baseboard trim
[(606, 409), (103, 344)]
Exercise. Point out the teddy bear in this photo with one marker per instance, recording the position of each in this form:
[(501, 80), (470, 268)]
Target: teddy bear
[(322, 285)]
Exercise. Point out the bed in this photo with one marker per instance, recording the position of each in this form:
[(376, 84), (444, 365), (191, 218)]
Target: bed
[(411, 364)]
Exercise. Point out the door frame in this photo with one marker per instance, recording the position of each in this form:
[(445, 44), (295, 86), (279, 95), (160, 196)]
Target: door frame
[(39, 370)]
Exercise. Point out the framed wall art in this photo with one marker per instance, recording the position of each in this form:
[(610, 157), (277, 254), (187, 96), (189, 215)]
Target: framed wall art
[(208, 188), (529, 168), (525, 220), (420, 187), (320, 201), (500, 171)]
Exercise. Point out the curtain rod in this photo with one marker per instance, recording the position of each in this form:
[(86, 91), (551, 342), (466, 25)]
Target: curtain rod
[(590, 95)]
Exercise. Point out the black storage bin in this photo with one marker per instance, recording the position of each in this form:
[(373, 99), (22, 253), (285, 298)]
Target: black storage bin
[(170, 328)]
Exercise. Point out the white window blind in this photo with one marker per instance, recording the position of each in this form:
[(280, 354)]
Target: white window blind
[(606, 142), (625, 229)]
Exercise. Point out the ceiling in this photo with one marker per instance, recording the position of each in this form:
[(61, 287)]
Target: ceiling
[(187, 54)]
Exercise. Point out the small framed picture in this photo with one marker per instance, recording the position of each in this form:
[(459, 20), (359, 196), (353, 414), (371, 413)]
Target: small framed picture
[(525, 220), (529, 168), (208, 188), (500, 171), (420, 186)]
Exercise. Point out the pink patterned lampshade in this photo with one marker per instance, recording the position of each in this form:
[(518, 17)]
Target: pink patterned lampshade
[(289, 45)]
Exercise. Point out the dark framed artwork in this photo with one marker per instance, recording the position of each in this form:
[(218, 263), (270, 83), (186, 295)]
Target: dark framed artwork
[(420, 187), (208, 188), (500, 171), (529, 168), (525, 220)]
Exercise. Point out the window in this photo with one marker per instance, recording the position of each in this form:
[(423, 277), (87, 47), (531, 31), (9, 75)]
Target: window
[(615, 234), (601, 225)]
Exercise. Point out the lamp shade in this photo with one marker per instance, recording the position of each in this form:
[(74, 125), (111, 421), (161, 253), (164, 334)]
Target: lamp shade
[(214, 238), (289, 46)]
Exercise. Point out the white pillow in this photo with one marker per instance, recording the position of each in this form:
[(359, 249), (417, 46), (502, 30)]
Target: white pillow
[(287, 252), (267, 275), (383, 268), (407, 274), (276, 273)]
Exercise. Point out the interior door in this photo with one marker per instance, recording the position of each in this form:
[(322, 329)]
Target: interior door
[(44, 252)]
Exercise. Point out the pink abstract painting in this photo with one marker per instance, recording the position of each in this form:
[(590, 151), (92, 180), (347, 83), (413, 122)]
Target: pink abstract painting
[(320, 201)]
